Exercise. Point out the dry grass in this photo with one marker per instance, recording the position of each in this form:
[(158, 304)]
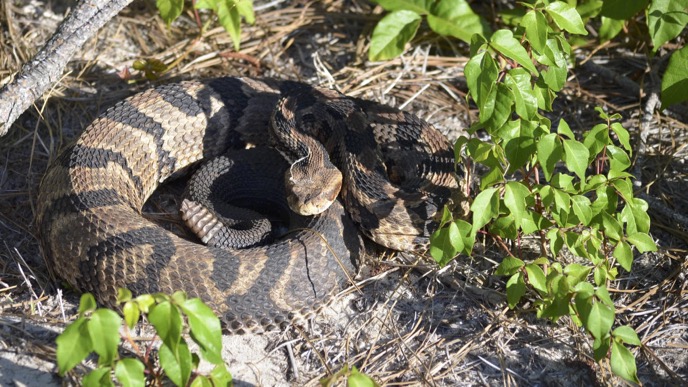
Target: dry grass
[(413, 324)]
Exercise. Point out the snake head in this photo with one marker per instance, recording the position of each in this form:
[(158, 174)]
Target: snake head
[(311, 193)]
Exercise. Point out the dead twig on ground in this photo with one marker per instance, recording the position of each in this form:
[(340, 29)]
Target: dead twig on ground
[(47, 66)]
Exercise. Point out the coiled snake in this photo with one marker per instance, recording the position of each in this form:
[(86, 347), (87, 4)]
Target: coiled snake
[(395, 171)]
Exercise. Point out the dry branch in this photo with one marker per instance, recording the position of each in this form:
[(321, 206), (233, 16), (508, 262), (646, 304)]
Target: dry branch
[(47, 66)]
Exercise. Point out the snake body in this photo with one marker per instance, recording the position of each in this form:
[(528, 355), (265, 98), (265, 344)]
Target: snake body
[(396, 173)]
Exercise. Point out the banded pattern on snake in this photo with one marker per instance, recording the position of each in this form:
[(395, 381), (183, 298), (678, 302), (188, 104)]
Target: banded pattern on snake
[(395, 170)]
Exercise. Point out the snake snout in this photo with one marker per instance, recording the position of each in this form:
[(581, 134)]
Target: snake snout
[(315, 194)]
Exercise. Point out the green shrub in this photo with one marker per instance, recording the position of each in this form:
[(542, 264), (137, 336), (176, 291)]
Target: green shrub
[(100, 330), (572, 194)]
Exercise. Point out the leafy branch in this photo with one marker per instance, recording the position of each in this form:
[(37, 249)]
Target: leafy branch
[(100, 330), (573, 195), (229, 13)]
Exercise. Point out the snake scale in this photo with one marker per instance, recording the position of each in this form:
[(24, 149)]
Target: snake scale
[(395, 171)]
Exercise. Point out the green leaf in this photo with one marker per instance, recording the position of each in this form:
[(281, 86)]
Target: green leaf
[(484, 208), (624, 188), (519, 150), (358, 379), (73, 345), (504, 227), (533, 222), (593, 246), (515, 195), (103, 327), (596, 183), (220, 376), (559, 305), (456, 18), (536, 277), (467, 235), (574, 242), (549, 152), (420, 7), (392, 33), (87, 303), (553, 55), (641, 218), (622, 9), (98, 377), (565, 130), (555, 77), (556, 242), (123, 295), (518, 82), (229, 12), (589, 9), (624, 255), (230, 18), (627, 335), (479, 150), (504, 42), (245, 8), (623, 135), (546, 194), (509, 266), (129, 372), (544, 94), (494, 176), (144, 302), (584, 291), (515, 289), (131, 313), (612, 228), (535, 25), (502, 109), (167, 321), (576, 273), (459, 147), (603, 295), (596, 138), (177, 367), (169, 10), (623, 363), (618, 159), (665, 20), (628, 218), (481, 77), (179, 297), (206, 4), (201, 381), (205, 329), (446, 243), (675, 79), (562, 200), (600, 320), (642, 242), (566, 17), (609, 28), (576, 157), (600, 275), (582, 208), (600, 348), (478, 43)]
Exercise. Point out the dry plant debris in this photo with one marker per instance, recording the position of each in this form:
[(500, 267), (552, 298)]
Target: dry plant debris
[(413, 324)]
